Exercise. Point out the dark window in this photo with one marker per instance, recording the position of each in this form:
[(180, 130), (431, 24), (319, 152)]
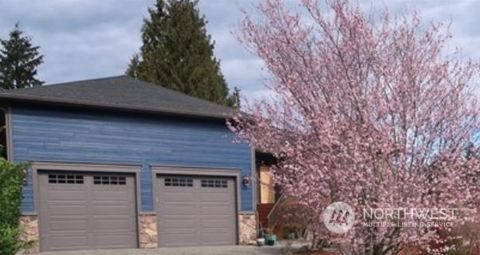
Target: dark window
[(109, 180), (178, 182), (214, 183), (65, 178)]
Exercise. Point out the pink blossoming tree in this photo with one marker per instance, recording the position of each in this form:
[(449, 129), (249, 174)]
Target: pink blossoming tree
[(366, 109)]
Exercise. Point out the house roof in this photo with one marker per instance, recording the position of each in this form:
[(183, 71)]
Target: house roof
[(121, 93)]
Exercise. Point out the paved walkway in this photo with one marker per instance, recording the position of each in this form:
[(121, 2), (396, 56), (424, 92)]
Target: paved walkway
[(214, 250)]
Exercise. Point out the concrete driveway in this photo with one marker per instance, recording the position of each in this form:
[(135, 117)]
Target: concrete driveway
[(206, 250)]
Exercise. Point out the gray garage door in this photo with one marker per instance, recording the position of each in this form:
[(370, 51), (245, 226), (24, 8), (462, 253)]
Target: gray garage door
[(87, 211), (196, 211)]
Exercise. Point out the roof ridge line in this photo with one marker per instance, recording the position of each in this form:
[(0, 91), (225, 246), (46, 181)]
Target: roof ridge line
[(86, 80)]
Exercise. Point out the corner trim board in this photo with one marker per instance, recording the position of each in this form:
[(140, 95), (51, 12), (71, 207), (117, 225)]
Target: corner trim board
[(9, 133), (254, 179)]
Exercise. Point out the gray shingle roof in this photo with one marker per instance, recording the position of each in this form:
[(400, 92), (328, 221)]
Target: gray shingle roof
[(122, 93)]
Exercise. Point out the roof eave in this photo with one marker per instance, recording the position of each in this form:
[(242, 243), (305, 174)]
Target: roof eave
[(27, 99)]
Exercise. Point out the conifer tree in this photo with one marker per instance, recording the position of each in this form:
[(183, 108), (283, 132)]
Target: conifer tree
[(19, 60), (177, 53)]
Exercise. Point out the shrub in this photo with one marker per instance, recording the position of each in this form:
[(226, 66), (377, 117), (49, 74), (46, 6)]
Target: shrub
[(9, 240), (11, 182), (465, 240)]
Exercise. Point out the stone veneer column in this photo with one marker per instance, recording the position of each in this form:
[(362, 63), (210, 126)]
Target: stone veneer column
[(30, 231), (247, 224), (148, 231)]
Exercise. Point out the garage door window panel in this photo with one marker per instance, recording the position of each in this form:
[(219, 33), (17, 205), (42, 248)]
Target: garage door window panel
[(109, 180), (214, 183), (65, 179), (178, 182)]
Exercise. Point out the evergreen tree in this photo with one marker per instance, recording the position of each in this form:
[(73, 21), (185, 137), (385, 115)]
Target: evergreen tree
[(19, 60), (177, 53), (233, 99)]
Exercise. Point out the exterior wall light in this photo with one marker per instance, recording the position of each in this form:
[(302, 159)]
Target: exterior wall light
[(246, 179)]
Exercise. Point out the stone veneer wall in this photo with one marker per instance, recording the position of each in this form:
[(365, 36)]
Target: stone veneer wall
[(148, 231), (30, 231), (247, 224)]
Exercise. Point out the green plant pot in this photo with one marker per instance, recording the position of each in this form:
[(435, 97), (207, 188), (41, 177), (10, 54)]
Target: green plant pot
[(270, 240)]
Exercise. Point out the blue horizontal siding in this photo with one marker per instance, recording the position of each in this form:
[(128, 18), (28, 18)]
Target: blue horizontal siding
[(47, 134), (147, 189)]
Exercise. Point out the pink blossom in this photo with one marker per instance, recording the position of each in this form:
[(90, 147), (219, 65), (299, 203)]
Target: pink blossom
[(369, 110)]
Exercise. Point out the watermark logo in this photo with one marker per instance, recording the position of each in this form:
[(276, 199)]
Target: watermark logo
[(339, 217)]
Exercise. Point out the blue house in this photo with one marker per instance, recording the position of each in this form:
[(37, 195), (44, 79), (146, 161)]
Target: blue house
[(121, 163)]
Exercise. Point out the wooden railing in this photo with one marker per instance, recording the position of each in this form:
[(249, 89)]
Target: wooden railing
[(272, 217)]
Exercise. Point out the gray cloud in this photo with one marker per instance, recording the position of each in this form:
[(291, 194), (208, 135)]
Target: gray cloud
[(93, 38), (79, 39)]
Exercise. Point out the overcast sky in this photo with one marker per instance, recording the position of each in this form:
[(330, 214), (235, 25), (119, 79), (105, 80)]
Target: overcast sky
[(83, 39)]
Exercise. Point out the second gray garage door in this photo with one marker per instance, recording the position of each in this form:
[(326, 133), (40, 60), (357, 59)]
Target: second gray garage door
[(86, 211), (196, 211)]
